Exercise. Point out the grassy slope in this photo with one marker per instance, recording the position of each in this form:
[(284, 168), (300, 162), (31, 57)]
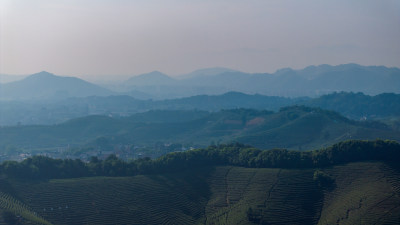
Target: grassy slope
[(363, 193)]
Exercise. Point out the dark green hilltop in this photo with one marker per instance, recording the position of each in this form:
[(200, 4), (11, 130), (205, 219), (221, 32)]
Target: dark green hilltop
[(352, 182)]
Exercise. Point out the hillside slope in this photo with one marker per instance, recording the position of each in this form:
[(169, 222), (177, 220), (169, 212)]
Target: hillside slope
[(361, 193)]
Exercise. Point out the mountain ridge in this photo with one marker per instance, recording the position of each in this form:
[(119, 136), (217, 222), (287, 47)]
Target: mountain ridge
[(311, 81)]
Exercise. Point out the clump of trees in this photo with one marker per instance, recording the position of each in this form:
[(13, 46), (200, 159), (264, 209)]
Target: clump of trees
[(323, 179), (40, 167)]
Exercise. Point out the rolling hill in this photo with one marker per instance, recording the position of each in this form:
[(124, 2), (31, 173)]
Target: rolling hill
[(296, 127), (357, 106), (28, 112)]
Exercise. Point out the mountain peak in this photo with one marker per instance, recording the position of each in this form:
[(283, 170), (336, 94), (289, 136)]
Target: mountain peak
[(152, 78), (42, 74), (154, 73), (284, 71)]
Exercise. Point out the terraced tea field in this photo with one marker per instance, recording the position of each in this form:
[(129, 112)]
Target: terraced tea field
[(361, 193), (365, 193), (274, 195), (127, 200)]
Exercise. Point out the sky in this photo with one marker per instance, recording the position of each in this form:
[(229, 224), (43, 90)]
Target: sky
[(123, 37)]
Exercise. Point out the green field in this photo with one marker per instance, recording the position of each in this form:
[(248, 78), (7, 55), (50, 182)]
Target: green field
[(360, 193)]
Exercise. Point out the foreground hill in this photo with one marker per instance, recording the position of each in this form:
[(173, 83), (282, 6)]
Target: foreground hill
[(44, 86), (350, 183), (294, 127), (221, 195)]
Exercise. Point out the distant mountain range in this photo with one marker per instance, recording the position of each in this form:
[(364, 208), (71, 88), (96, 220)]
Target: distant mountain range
[(312, 81)]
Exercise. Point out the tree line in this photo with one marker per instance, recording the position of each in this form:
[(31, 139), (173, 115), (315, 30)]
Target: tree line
[(41, 167)]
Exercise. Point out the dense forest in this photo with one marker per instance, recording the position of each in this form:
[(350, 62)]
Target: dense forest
[(40, 167)]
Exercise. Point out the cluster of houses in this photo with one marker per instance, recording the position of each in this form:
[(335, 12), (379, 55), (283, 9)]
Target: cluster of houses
[(124, 152)]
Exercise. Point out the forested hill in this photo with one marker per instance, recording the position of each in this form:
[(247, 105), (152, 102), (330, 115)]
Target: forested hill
[(295, 127), (40, 167)]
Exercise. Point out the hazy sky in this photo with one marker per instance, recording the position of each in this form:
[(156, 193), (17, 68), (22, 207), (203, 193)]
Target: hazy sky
[(98, 37)]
